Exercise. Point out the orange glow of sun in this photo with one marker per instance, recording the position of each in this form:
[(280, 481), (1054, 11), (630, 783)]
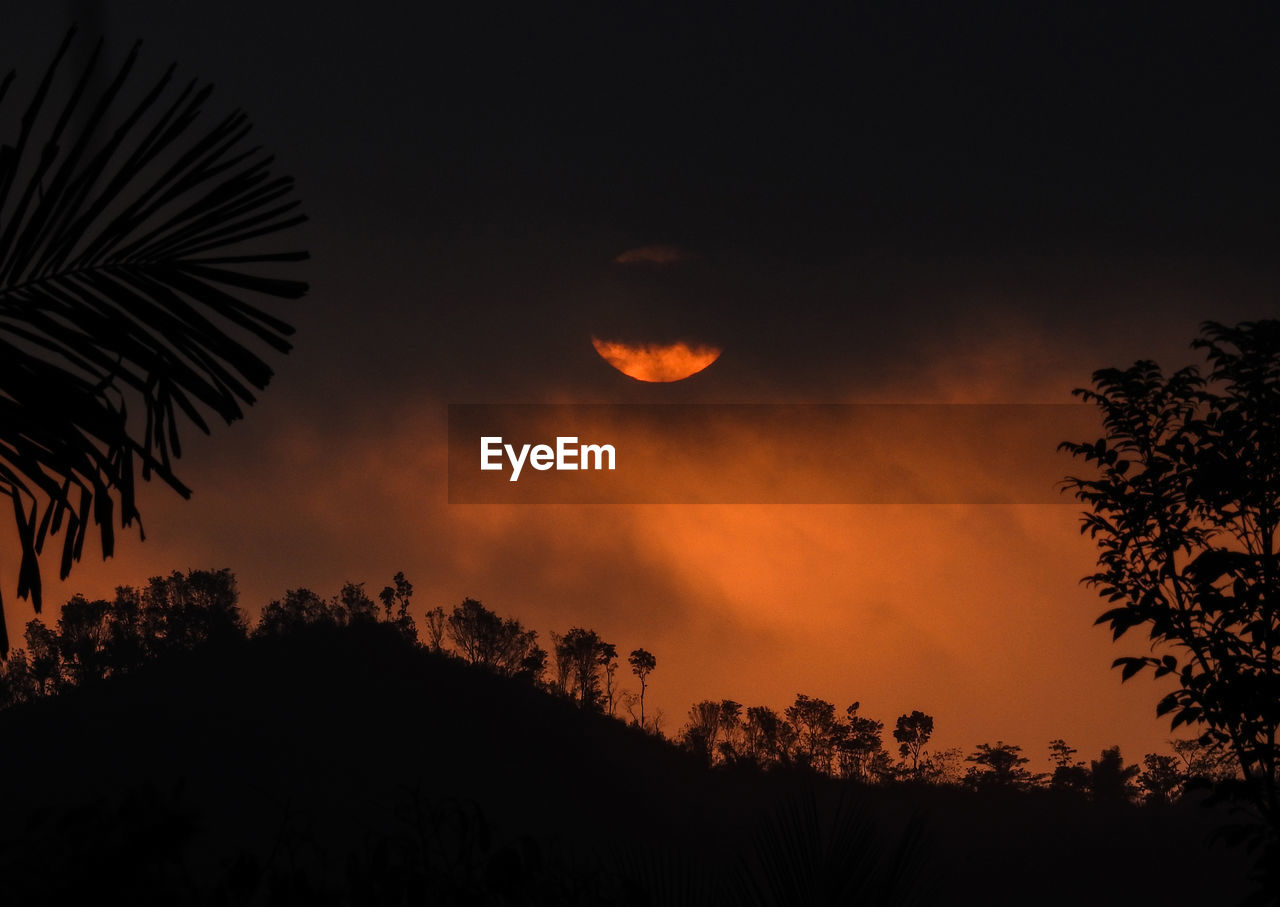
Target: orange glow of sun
[(656, 362)]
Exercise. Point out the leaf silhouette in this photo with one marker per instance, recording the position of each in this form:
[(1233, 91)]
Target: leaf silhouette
[(130, 256)]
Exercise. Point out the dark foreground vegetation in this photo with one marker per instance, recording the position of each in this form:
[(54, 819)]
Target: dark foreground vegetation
[(330, 757)]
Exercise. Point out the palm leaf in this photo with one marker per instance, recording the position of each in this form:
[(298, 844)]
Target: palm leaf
[(130, 261)]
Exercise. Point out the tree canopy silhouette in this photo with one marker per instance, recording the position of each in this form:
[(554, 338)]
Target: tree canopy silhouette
[(912, 733), (1184, 508), (129, 251), (862, 754), (503, 645), (1001, 766), (643, 664)]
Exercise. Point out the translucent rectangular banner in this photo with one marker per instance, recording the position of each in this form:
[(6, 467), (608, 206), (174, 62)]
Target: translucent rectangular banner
[(763, 453)]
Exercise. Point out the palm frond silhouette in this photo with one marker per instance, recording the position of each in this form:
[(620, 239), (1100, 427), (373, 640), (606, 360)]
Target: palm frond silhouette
[(130, 249)]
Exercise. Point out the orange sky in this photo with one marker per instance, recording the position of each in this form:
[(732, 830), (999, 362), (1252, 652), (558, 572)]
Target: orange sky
[(972, 613)]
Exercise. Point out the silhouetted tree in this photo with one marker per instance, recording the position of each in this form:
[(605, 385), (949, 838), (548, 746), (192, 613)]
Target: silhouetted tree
[(767, 738), (477, 632), (182, 611), (712, 724), (564, 667), (398, 597), (1205, 761), (703, 728), (1184, 508), (608, 658), (1110, 780), (16, 682), (1060, 753), (642, 665), (436, 625), (533, 667), (500, 644), (1161, 779), (127, 644), (124, 226), (1068, 774), (945, 767), (730, 745), (579, 653), (45, 658), (83, 635), (299, 608), (912, 733), (354, 606), (861, 748), (1001, 766), (817, 732), (96, 639)]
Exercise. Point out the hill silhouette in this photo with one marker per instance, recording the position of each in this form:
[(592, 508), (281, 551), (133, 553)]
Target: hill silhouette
[(346, 763)]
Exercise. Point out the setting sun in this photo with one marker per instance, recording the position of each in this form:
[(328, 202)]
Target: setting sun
[(656, 362)]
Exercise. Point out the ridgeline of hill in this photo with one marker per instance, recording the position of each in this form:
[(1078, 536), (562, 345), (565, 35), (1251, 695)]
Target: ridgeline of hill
[(345, 765)]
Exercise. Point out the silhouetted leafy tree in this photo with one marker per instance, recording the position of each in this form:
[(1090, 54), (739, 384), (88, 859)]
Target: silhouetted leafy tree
[(703, 728), (1161, 779), (16, 683), (817, 732), (642, 665), (124, 231), (502, 645), (97, 639), (861, 748), (299, 608), (477, 632), (354, 606), (1184, 508), (127, 642), (397, 597), (436, 626), (182, 611), (1205, 761), (1001, 766), (912, 733), (1060, 753), (1110, 780), (608, 658), (730, 745), (1068, 774), (83, 637), (767, 738), (45, 658), (944, 768), (580, 655), (533, 667), (712, 724)]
